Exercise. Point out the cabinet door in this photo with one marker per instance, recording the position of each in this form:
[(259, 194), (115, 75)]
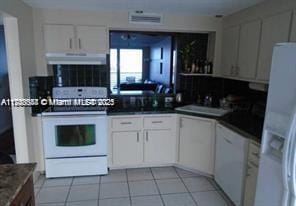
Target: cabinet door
[(250, 187), (230, 49), (127, 148), (275, 29), (248, 49), (59, 38), (92, 39), (159, 146), (197, 144), (293, 31)]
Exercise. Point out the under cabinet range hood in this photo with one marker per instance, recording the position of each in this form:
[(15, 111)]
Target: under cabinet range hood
[(76, 58)]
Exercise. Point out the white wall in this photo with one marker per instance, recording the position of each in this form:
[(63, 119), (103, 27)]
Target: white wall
[(260, 11), (119, 21), (21, 116)]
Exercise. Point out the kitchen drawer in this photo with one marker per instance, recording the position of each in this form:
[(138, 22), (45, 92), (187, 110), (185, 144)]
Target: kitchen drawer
[(158, 123), (129, 123), (254, 153)]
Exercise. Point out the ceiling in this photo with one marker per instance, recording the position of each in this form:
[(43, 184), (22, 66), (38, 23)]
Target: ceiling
[(202, 7)]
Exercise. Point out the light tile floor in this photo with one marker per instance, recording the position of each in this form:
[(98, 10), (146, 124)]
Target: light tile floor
[(163, 186)]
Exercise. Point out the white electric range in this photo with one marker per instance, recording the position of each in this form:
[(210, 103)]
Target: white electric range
[(75, 136)]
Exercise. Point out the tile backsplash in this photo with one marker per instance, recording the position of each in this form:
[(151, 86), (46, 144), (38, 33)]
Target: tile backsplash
[(194, 86), (81, 75)]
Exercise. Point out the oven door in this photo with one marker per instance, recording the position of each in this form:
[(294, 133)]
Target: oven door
[(75, 136)]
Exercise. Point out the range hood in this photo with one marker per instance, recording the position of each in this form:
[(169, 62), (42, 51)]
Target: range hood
[(76, 58)]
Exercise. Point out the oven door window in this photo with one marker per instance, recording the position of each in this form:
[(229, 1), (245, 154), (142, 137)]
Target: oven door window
[(75, 135)]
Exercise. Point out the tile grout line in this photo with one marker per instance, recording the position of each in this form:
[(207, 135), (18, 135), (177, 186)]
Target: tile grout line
[(69, 191), (37, 194), (128, 187), (195, 202), (99, 190), (157, 187)]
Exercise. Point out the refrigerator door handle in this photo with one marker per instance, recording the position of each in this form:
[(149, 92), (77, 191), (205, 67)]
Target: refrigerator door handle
[(286, 156), (289, 157)]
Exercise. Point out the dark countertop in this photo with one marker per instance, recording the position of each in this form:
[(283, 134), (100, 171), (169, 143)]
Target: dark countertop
[(12, 179), (244, 123), (127, 111)]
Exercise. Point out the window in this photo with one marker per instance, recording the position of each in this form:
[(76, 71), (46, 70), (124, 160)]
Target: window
[(130, 67), (113, 68)]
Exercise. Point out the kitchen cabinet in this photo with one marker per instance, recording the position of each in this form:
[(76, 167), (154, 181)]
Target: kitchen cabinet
[(248, 49), (127, 148), (252, 172), (197, 143), (293, 30), (59, 38), (158, 146), (142, 140), (75, 39), (92, 39), (275, 29), (230, 163), (25, 196), (230, 51)]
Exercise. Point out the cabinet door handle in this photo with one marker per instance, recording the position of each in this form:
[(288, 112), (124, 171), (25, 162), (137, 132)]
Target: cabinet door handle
[(237, 70), (70, 43), (138, 139), (79, 43), (231, 71), (147, 139), (156, 122), (125, 123), (228, 141)]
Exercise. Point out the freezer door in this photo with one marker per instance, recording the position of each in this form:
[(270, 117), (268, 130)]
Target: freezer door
[(290, 170), (282, 87), (289, 164), (269, 191)]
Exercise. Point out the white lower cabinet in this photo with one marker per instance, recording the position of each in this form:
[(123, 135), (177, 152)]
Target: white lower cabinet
[(142, 140), (197, 144), (127, 148), (159, 146), (252, 173)]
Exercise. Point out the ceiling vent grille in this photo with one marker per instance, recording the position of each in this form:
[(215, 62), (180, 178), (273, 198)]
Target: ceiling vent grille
[(145, 18)]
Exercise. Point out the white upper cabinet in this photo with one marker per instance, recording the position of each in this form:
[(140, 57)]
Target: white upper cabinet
[(59, 38), (75, 39), (248, 49), (275, 29), (293, 31), (230, 51), (197, 144), (92, 39)]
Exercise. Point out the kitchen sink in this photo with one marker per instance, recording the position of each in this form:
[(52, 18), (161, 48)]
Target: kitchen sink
[(217, 112)]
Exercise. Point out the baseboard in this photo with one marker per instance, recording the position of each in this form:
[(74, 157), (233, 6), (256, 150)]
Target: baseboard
[(115, 167), (193, 170)]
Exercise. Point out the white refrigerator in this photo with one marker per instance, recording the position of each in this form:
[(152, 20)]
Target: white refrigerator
[(276, 182)]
